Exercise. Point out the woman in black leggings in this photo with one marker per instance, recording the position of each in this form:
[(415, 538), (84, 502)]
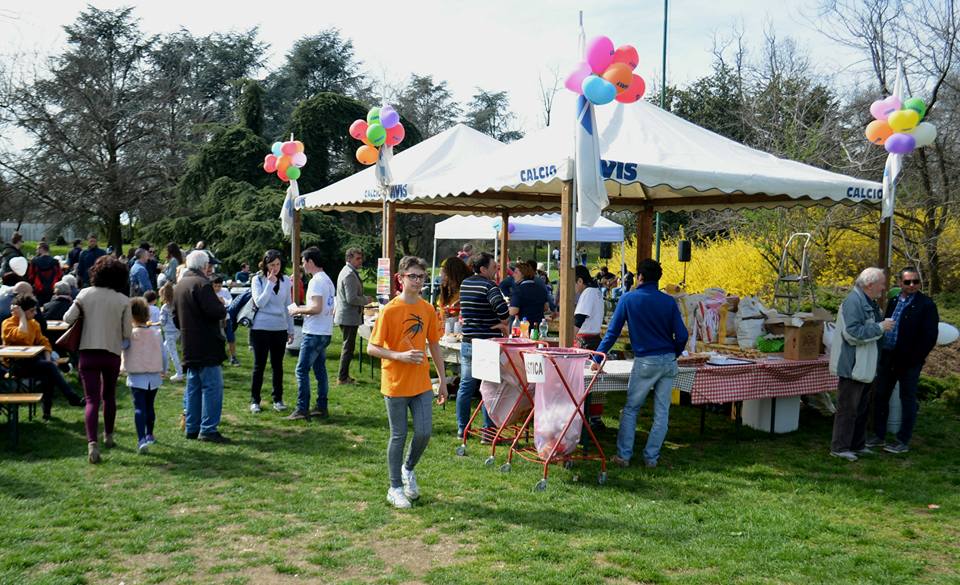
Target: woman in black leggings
[(272, 327)]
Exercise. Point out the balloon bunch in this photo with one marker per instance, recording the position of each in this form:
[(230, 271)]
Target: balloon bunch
[(286, 159), (382, 127), (898, 127), (607, 74)]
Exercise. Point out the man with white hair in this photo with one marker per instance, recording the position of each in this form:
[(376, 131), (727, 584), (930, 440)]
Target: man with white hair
[(198, 313), (853, 358)]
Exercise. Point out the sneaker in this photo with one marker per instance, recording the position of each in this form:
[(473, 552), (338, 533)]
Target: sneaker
[(346, 382), (619, 461), (896, 447), (93, 453), (396, 497), (213, 437), (410, 487), (176, 378), (279, 406), (865, 451), (651, 463), (143, 446), (192, 436), (298, 415), (320, 413), (150, 440), (875, 442), (848, 455), (108, 440), (255, 408), (234, 361)]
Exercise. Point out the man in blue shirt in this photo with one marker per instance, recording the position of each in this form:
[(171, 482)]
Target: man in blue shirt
[(87, 259), (657, 335), (139, 278)]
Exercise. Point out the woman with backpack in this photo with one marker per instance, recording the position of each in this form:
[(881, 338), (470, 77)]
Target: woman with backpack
[(272, 326)]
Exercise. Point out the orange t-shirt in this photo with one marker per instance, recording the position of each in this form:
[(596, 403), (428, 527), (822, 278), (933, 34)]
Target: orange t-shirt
[(401, 327)]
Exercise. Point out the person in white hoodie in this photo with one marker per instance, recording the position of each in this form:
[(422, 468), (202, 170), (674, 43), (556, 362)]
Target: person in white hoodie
[(143, 361), (170, 332)]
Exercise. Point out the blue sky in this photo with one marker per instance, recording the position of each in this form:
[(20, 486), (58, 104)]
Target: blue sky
[(494, 44)]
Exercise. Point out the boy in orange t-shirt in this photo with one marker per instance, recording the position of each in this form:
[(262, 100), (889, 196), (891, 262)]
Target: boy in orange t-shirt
[(407, 325)]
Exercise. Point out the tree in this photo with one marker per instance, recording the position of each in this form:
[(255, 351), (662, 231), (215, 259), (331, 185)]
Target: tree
[(250, 112), (548, 91), (429, 105), (489, 112)]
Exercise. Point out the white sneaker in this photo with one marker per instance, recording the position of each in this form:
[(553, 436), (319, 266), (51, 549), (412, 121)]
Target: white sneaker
[(395, 496), (279, 406), (410, 487), (176, 378), (848, 455), (255, 408)]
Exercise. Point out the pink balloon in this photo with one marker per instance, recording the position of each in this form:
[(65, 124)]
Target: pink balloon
[(395, 135), (881, 109), (289, 148), (270, 163), (633, 92), (599, 54), (298, 159), (574, 81), (358, 129)]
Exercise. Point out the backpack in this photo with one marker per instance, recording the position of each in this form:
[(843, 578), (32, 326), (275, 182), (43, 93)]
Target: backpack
[(242, 309), (44, 279)]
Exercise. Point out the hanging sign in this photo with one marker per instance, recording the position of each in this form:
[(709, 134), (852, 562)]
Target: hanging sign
[(383, 277)]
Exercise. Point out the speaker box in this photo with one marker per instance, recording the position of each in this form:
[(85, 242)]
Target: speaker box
[(683, 251), (606, 250)]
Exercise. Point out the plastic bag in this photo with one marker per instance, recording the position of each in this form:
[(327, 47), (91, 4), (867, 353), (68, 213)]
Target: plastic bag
[(553, 407), (748, 330), (499, 398)]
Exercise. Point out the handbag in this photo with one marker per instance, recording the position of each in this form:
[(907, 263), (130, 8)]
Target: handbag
[(70, 340), (248, 311)]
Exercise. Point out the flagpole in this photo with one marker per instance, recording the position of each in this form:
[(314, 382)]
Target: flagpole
[(663, 101)]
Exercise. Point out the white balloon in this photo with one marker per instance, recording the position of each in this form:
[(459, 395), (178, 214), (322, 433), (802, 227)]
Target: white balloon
[(947, 334), (925, 133), (19, 265)]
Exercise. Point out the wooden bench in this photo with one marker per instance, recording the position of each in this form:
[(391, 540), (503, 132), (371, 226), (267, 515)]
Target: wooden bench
[(11, 403)]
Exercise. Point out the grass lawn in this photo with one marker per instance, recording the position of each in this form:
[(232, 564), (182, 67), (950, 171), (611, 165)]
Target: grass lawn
[(296, 502)]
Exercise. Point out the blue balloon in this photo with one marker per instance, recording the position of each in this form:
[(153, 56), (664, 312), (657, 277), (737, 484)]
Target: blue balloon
[(389, 117), (598, 90), (277, 149)]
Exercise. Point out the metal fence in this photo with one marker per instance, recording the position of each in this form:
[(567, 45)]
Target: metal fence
[(35, 231)]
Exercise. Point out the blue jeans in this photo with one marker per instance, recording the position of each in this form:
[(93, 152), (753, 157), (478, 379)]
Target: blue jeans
[(889, 373), (649, 372), (313, 355), (204, 399), (144, 414), (468, 387)]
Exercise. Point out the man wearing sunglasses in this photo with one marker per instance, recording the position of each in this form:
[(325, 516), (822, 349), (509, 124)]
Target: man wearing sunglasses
[(903, 351)]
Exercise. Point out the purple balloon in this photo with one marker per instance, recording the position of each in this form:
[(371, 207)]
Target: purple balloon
[(900, 143), (389, 117), (574, 81), (511, 228)]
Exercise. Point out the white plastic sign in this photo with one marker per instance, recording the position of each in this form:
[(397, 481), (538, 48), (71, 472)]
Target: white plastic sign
[(534, 365), (486, 360)]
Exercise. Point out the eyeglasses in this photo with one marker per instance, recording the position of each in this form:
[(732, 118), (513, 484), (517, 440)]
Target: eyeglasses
[(412, 276), (909, 282)]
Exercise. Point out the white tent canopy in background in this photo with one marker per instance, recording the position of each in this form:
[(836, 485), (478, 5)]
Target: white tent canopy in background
[(434, 156)]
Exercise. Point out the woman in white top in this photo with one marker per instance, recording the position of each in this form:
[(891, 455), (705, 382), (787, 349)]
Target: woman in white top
[(272, 326), (588, 315)]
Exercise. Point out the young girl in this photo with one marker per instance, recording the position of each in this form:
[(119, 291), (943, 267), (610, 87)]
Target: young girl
[(401, 334), (151, 297), (143, 361), (228, 330), (170, 332)]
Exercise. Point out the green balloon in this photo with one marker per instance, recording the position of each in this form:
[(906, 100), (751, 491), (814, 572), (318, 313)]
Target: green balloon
[(293, 173), (373, 116), (376, 134), (917, 105)]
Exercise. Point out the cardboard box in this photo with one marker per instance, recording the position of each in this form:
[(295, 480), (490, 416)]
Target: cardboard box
[(803, 342)]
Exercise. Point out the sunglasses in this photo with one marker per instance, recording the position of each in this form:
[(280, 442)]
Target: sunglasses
[(909, 282), (415, 276)]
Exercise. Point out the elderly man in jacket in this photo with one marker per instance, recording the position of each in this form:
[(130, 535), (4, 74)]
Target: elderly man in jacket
[(903, 350), (198, 313), (348, 310), (853, 358)]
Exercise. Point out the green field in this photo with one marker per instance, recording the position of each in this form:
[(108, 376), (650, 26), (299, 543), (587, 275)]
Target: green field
[(304, 502)]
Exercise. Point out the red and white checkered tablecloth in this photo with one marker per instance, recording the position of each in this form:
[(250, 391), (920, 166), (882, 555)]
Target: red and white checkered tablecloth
[(763, 379)]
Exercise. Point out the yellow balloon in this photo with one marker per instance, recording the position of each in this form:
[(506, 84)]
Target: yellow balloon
[(903, 120)]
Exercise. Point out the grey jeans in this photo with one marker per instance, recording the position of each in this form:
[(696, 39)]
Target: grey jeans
[(346, 352), (421, 409)]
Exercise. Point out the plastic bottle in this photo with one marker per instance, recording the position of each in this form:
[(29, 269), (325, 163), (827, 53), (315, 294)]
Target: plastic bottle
[(515, 327), (534, 333), (525, 328), (544, 329)]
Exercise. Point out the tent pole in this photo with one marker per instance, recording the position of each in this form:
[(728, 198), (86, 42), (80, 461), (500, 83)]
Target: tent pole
[(390, 239), (566, 290), (504, 230), (549, 253), (623, 261), (433, 271), (295, 253)]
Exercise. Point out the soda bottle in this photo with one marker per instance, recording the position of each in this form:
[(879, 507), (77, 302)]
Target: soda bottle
[(525, 328), (515, 327), (534, 333)]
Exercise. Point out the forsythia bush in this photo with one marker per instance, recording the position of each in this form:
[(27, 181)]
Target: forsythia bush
[(733, 264)]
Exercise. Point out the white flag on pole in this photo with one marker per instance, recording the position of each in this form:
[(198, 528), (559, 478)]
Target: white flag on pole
[(894, 164), (591, 193), (286, 212)]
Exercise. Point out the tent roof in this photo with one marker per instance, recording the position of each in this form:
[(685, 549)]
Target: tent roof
[(532, 227), (435, 155), (650, 157)]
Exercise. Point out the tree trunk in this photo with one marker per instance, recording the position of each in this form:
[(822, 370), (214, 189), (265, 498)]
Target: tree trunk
[(114, 231)]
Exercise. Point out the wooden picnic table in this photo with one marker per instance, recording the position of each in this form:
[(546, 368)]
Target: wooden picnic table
[(11, 404), (57, 326)]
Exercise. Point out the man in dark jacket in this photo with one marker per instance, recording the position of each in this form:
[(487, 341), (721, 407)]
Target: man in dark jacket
[(87, 259), (10, 251), (198, 313), (903, 351), (43, 273)]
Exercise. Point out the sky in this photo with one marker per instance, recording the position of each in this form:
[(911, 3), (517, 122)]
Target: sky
[(492, 44)]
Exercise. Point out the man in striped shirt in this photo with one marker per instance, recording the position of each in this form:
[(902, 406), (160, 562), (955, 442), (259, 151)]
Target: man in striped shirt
[(484, 314)]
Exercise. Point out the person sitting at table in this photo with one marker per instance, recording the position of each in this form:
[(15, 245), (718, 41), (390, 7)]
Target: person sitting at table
[(58, 305), (243, 275), (657, 335), (453, 272), (22, 329), (530, 299)]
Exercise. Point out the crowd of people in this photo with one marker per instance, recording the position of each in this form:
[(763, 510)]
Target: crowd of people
[(114, 302)]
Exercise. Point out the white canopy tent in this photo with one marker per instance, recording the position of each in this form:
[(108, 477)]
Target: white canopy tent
[(544, 227)]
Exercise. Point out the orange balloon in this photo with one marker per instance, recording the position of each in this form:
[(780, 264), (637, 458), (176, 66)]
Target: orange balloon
[(299, 145), (283, 163), (878, 131), (282, 174), (367, 155), (620, 75)]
